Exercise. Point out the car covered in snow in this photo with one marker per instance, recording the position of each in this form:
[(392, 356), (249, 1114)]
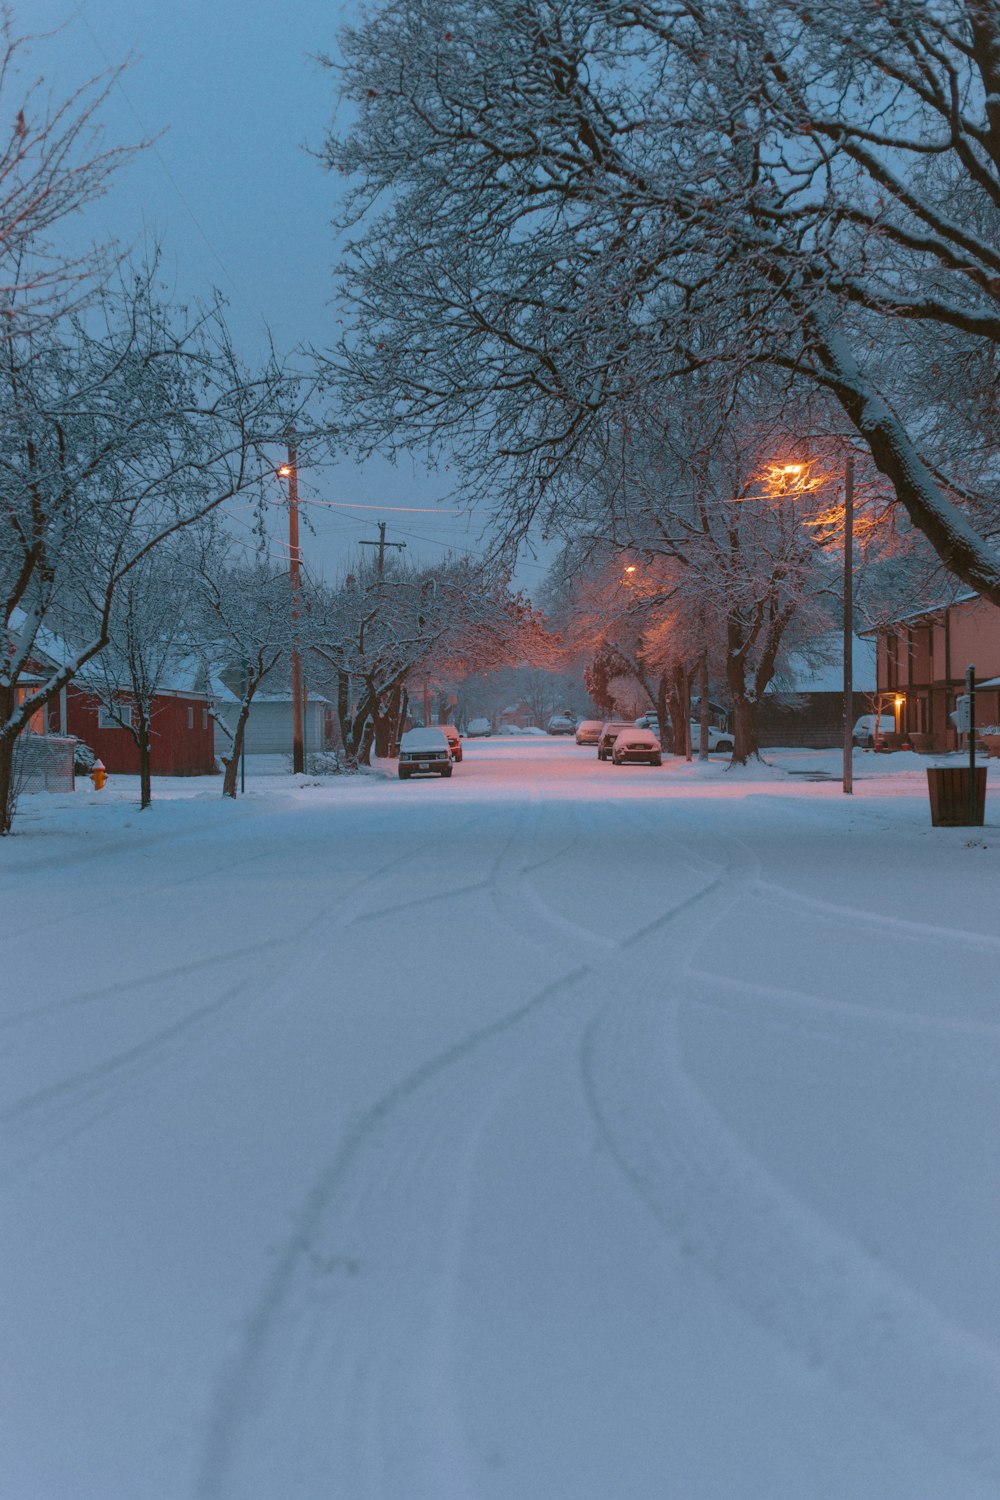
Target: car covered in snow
[(560, 724), (424, 752), (454, 739), (872, 727), (610, 730), (637, 745), (588, 731), (478, 728)]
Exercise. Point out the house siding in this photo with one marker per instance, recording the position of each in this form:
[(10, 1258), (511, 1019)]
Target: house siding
[(924, 660), (175, 748)]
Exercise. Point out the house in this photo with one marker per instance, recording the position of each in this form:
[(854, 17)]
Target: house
[(269, 726), (921, 665), (806, 706), (182, 738)]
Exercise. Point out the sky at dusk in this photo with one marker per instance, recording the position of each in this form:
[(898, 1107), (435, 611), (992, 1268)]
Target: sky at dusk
[(231, 96)]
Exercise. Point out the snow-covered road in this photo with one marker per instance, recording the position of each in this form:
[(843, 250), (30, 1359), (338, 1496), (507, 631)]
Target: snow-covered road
[(558, 1132)]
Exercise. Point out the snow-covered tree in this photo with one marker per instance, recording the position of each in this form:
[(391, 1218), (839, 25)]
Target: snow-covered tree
[(52, 163), (150, 623), (118, 431), (554, 202), (380, 631), (247, 630)]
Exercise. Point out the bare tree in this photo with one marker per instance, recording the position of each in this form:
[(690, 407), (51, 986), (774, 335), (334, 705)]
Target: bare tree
[(554, 202), (380, 630), (247, 628), (117, 432), (52, 163), (153, 613)]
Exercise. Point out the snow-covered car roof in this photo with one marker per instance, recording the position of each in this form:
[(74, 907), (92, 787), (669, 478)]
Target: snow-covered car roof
[(423, 739), (636, 736)]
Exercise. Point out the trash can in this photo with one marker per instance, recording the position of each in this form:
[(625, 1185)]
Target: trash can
[(949, 793)]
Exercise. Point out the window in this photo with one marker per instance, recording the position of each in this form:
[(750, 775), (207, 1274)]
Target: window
[(120, 718), (190, 717), (204, 718)]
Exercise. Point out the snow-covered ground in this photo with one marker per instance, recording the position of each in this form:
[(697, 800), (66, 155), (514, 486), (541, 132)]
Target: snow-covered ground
[(558, 1132)]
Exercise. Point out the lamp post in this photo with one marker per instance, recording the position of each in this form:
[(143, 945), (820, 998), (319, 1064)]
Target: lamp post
[(848, 778), (289, 471)]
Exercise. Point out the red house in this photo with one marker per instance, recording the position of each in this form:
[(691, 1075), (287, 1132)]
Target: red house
[(182, 741), (182, 730)]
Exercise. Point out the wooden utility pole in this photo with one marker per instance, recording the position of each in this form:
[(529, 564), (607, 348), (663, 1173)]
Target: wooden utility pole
[(848, 756), (381, 544), (290, 472)]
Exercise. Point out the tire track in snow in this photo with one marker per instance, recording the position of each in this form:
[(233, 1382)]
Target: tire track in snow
[(56, 1113), (820, 1293), (837, 913), (341, 1383)]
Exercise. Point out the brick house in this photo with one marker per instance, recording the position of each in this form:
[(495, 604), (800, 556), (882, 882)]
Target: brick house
[(921, 662)]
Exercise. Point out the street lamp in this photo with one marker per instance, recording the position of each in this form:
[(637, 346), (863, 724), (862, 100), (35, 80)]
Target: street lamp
[(785, 478), (289, 471)]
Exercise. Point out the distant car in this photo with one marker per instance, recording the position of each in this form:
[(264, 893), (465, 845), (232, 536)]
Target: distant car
[(588, 731), (454, 739), (558, 724), (637, 744), (610, 731), (718, 739), (424, 752), (478, 728), (864, 731), (648, 721)]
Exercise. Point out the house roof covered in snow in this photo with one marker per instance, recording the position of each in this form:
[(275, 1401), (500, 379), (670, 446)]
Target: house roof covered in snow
[(822, 671)]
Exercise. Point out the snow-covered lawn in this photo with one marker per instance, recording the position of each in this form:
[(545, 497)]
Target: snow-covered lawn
[(558, 1132)]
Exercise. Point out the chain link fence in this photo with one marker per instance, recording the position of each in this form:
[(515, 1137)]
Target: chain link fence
[(43, 763)]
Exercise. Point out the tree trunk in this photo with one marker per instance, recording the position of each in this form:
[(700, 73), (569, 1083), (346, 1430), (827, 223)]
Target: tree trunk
[(344, 716), (703, 709), (232, 765), (682, 723), (366, 742), (145, 779), (7, 798), (745, 735), (662, 711), (383, 735)]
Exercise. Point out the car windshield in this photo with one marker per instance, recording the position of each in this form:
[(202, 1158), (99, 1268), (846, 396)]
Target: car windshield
[(423, 739)]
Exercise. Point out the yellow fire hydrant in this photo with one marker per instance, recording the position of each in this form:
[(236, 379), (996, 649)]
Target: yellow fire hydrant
[(98, 775)]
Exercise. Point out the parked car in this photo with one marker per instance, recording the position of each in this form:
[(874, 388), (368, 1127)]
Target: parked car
[(424, 752), (454, 739), (558, 724), (637, 744), (718, 739), (864, 731), (610, 731), (648, 721), (588, 731), (478, 728)]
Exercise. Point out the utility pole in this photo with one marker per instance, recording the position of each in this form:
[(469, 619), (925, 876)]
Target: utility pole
[(849, 624), (381, 544), (290, 472)]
